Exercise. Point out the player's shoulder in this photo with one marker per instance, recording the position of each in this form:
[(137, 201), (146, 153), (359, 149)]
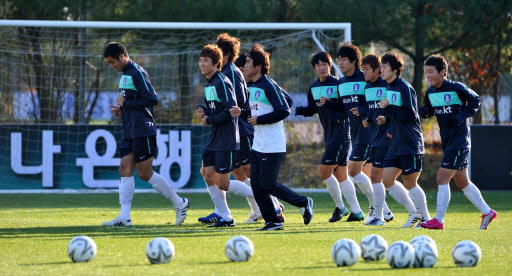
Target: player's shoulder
[(405, 84)]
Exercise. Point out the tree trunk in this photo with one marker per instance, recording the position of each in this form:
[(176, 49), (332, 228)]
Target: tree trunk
[(496, 92), (184, 90), (419, 28), (42, 87)]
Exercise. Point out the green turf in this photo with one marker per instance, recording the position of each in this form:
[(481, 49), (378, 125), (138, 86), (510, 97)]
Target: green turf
[(36, 229)]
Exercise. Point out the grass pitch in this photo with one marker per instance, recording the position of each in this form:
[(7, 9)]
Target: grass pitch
[(36, 229)]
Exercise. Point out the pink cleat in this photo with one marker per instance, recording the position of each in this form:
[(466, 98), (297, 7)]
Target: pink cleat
[(486, 219), (432, 224)]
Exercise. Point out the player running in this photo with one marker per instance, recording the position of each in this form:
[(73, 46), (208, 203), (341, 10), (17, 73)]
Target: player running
[(219, 155), (138, 148), (405, 156), (351, 92), (269, 107), (336, 135), (375, 91), (452, 103)]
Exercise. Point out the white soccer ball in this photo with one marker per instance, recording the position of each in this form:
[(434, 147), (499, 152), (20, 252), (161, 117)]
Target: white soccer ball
[(239, 249), (82, 249), (373, 248), (422, 239), (466, 254), (425, 253), (400, 254), (345, 252), (160, 251)]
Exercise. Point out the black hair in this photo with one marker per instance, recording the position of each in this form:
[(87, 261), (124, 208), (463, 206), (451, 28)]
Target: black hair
[(439, 62), (240, 61), (394, 60), (351, 52), (260, 57), (373, 60), (114, 50), (213, 52), (321, 56)]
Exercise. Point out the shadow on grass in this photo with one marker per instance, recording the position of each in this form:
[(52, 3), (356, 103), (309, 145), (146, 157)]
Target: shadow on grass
[(43, 264)]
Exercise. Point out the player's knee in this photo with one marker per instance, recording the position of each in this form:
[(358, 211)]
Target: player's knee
[(353, 170), (388, 182), (323, 173), (145, 175)]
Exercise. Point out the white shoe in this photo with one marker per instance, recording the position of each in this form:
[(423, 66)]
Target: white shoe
[(118, 222), (412, 220), (423, 220), (253, 218), (388, 216), (371, 215), (181, 212)]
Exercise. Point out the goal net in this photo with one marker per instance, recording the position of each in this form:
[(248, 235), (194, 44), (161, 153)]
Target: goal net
[(56, 90)]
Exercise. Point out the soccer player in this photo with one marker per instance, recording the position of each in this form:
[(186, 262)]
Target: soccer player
[(336, 135), (230, 47), (219, 155), (452, 103), (351, 92), (269, 107), (405, 155), (138, 148), (375, 91)]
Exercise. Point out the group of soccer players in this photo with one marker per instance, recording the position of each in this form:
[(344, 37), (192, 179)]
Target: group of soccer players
[(371, 110)]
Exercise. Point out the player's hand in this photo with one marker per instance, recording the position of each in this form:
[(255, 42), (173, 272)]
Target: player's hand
[(203, 120), (235, 111), (355, 111), (116, 110), (200, 113), (381, 120), (365, 123), (383, 103), (253, 120), (388, 135), (120, 100), (323, 100)]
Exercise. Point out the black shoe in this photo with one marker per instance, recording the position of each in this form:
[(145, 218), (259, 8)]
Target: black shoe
[(356, 217), (338, 214), (272, 226), (307, 212), (223, 223)]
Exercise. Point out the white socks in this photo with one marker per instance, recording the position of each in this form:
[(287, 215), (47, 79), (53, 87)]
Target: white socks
[(334, 189), (443, 199), (162, 186), (365, 185), (126, 191), (242, 189), (420, 201), (379, 199), (473, 194), (399, 193), (219, 199), (348, 190)]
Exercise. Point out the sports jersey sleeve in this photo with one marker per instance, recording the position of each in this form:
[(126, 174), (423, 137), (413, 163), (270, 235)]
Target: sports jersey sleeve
[(406, 112), (228, 100), (427, 110), (279, 104), (147, 97), (472, 100), (310, 109)]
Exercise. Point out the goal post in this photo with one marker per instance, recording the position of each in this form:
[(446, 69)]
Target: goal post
[(55, 91)]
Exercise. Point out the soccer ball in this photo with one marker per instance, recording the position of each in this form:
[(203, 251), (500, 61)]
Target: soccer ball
[(239, 249), (373, 248), (400, 254), (82, 249), (426, 254), (466, 253), (422, 239), (345, 252), (160, 251)]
